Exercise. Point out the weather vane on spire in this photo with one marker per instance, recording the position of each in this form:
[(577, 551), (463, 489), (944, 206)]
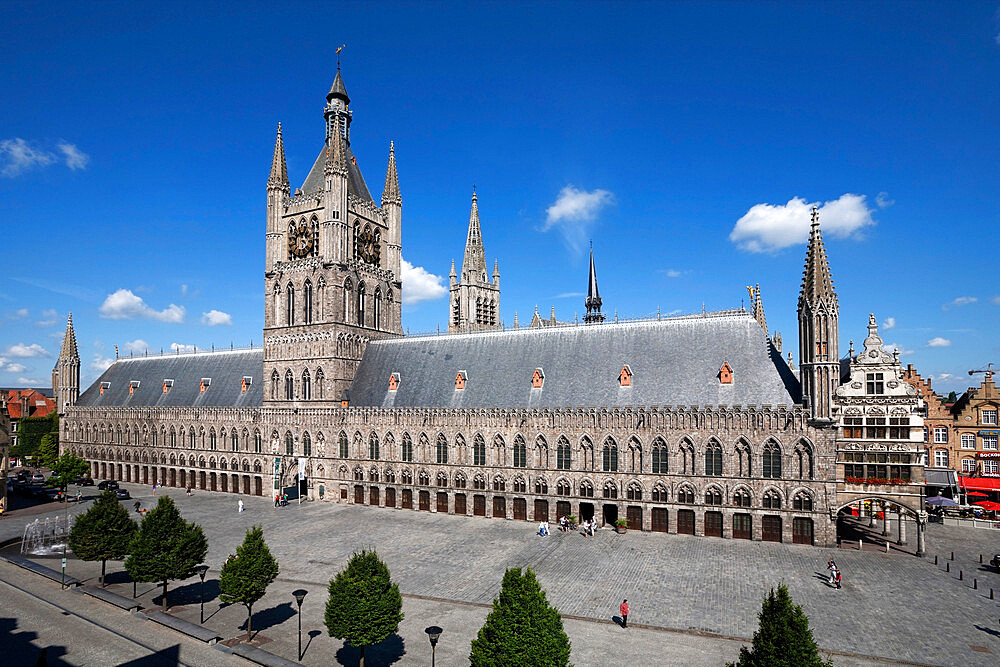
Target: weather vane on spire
[(339, 49)]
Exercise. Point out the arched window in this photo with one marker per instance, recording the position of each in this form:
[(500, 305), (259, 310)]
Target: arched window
[(274, 385), (586, 489), (307, 302), (713, 459), (211, 440), (459, 481), (687, 457), (659, 456), (772, 460), (519, 484), (479, 483), (743, 459), (660, 494), (377, 309), (289, 386), (289, 444), (319, 383), (804, 458), (306, 444), (541, 453), (499, 484), (173, 437), (586, 454), (407, 447), (563, 457), (234, 441), (361, 304), (563, 488), (192, 438), (258, 442), (478, 451), (610, 490), (442, 448), (406, 477), (306, 385), (541, 486), (348, 299), (772, 501), (290, 305), (634, 491), (442, 479), (610, 456), (713, 496), (802, 502), (373, 452), (741, 498), (685, 495), (520, 453)]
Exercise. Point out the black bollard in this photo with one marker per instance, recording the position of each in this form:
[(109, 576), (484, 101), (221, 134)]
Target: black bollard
[(991, 593), (935, 560), (953, 555), (960, 575), (980, 559), (975, 584), (947, 567)]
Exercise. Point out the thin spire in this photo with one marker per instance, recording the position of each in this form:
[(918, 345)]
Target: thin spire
[(474, 262), (390, 194), (279, 172), (69, 349), (593, 301), (817, 284), (336, 157), (337, 89), (757, 309)]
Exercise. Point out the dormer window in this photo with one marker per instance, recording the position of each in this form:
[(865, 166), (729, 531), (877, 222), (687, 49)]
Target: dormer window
[(625, 377), (167, 384), (726, 373), (132, 386), (460, 380), (394, 382), (205, 384), (537, 379), (104, 386), (245, 383)]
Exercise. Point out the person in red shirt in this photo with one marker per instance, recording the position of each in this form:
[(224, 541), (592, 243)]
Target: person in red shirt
[(624, 612)]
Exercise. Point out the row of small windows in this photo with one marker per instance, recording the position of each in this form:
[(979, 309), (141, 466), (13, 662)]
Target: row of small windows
[(308, 388), (358, 314), (230, 440), (172, 459)]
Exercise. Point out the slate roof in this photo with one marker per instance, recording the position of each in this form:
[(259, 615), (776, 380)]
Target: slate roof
[(226, 369), (673, 362), (355, 181)]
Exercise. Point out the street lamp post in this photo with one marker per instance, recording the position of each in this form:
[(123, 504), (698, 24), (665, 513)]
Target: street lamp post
[(202, 571), (300, 594), (433, 633)]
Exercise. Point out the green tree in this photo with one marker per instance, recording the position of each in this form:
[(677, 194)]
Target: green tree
[(66, 469), (165, 547), (48, 450), (30, 431), (523, 629), (103, 532), (783, 638), (364, 606), (246, 576)]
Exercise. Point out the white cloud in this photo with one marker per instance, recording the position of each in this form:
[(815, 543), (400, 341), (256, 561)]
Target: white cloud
[(574, 213), (938, 342), (771, 227), (100, 364), (21, 312), (420, 285), (50, 318), (124, 305), (22, 351), (893, 347), (942, 376), (882, 200), (75, 158), (29, 382), (184, 290), (137, 346), (673, 273), (17, 156), (216, 317), (569, 295), (959, 302), (15, 368), (183, 348), (889, 323)]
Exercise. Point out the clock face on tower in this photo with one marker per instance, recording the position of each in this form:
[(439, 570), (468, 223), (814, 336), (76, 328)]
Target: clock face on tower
[(300, 241), (368, 247)]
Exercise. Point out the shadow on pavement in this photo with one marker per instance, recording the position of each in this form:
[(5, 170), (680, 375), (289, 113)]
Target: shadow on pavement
[(191, 593), (989, 631), (18, 649), (168, 657), (385, 653), (266, 618)]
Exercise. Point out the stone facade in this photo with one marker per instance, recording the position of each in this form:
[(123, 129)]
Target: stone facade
[(975, 430), (474, 298)]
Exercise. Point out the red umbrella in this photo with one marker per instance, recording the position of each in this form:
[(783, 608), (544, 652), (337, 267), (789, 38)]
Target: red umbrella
[(988, 505), (977, 493)]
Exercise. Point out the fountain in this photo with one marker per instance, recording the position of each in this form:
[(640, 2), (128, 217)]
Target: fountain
[(46, 538)]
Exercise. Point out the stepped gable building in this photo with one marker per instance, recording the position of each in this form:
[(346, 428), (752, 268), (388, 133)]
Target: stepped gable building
[(682, 425)]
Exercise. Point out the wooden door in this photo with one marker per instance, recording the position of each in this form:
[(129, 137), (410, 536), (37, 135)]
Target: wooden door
[(685, 522), (499, 507), (541, 510), (479, 505), (563, 508), (390, 497), (407, 499), (520, 509), (713, 524), (359, 494), (224, 480), (258, 486), (771, 528), (145, 475), (460, 503), (659, 519), (201, 477), (742, 527), (802, 530), (236, 484), (373, 496), (633, 516), (425, 501), (212, 481), (442, 502), (246, 484)]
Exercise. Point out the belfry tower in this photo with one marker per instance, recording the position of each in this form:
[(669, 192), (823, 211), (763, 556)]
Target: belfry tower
[(819, 359), (593, 301), (475, 299), (66, 374)]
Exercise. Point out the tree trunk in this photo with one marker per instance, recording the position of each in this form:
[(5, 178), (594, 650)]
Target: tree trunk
[(164, 595), (249, 619), (362, 661), (104, 562)]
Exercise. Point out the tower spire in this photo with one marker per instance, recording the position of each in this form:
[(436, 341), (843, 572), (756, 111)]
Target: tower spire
[(337, 90), (336, 156), (390, 193), (66, 374), (474, 262), (757, 309), (593, 301), (817, 284), (69, 340), (279, 172)]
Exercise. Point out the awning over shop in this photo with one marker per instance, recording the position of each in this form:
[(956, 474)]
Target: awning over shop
[(940, 477), (980, 483)]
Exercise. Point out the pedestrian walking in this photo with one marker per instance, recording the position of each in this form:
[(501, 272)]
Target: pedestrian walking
[(832, 567), (241, 506), (137, 506), (837, 577), (154, 489), (623, 609), (275, 500), (189, 490)]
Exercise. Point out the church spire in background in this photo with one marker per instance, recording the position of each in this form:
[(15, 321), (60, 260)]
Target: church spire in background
[(390, 193), (593, 301), (819, 359), (279, 172), (66, 374), (757, 309), (474, 263)]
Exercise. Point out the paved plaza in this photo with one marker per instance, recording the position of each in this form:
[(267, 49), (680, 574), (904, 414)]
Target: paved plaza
[(693, 599)]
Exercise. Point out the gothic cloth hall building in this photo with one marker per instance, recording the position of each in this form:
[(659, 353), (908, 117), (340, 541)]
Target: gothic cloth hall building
[(689, 424)]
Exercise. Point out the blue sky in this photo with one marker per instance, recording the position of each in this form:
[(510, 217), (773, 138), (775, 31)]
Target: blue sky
[(686, 140)]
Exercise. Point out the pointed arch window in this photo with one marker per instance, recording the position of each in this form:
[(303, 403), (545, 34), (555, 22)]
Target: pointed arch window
[(563, 488), (290, 305), (634, 491), (274, 385), (499, 484), (342, 445), (804, 458), (442, 448), (610, 490), (772, 460), (377, 309), (407, 448), (802, 502), (772, 501), (713, 496), (289, 444), (319, 383), (741, 498), (713, 459), (306, 386), (258, 442), (361, 305), (373, 451), (478, 451), (586, 489), (685, 495), (306, 444), (307, 302), (520, 453), (659, 456), (211, 440), (610, 456), (289, 386), (660, 494), (563, 454), (519, 484), (348, 299)]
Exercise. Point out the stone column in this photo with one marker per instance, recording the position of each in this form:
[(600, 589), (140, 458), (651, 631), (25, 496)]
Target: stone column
[(921, 528), (885, 519), (902, 528)]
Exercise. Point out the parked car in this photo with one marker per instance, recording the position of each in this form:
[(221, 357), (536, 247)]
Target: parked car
[(38, 478), (995, 562), (122, 494), (84, 481), (108, 485)]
